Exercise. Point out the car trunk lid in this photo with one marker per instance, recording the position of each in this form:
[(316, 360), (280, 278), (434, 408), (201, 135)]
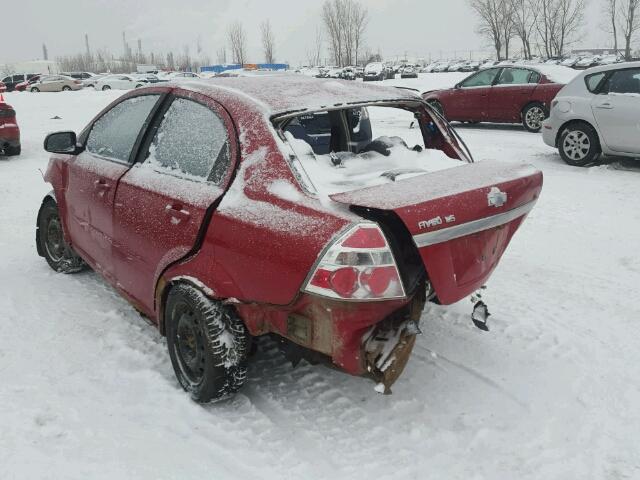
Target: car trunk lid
[(460, 219)]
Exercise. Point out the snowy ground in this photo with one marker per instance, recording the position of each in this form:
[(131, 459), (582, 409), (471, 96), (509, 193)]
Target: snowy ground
[(552, 392)]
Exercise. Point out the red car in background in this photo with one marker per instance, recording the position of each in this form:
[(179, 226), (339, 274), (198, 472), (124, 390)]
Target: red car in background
[(22, 86), (9, 130), (503, 94), (228, 209)]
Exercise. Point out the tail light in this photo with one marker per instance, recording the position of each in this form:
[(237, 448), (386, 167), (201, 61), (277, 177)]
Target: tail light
[(77, 82), (359, 265)]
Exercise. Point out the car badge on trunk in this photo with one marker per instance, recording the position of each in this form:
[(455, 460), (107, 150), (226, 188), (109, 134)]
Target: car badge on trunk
[(496, 198)]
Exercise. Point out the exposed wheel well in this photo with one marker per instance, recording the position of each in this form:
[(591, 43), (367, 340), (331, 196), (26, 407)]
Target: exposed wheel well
[(576, 122)]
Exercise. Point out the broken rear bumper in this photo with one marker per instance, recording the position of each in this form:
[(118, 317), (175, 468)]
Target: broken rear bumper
[(336, 329)]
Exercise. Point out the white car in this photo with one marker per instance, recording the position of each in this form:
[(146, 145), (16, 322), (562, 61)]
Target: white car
[(181, 76), (119, 82), (597, 112)]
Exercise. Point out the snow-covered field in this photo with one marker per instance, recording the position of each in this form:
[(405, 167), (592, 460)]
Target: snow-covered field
[(552, 392)]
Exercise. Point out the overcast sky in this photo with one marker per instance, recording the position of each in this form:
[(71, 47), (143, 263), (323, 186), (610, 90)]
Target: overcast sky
[(419, 28)]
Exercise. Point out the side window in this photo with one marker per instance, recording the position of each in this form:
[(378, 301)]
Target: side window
[(483, 78), (593, 81), (18, 78), (625, 81), (514, 76), (192, 141), (534, 77), (6, 80), (114, 133)]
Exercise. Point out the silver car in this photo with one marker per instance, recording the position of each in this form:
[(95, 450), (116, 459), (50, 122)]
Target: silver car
[(597, 112), (55, 83)]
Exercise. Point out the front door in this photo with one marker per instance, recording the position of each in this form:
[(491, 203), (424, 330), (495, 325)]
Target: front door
[(162, 203), (617, 110), (510, 93), (94, 174), (469, 101)]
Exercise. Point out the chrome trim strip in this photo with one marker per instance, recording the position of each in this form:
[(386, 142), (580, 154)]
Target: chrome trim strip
[(456, 231)]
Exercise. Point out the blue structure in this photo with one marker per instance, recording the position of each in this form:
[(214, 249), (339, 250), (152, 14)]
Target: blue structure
[(250, 66)]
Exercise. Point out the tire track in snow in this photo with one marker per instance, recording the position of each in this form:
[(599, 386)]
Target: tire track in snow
[(473, 373)]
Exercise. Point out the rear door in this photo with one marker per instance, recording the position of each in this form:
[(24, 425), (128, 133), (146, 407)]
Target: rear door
[(470, 99), (510, 93), (163, 202), (93, 177), (617, 110)]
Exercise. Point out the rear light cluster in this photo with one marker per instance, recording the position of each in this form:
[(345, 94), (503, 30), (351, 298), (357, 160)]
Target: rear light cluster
[(359, 265)]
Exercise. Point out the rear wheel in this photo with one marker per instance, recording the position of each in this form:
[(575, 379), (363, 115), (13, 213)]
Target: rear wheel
[(579, 145), (532, 117), (106, 87), (66, 88), (51, 243), (208, 344)]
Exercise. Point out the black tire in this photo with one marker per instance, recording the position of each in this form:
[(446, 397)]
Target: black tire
[(51, 243), (208, 344), (532, 117), (12, 151), (579, 144), (106, 87), (35, 89), (437, 106), (66, 88)]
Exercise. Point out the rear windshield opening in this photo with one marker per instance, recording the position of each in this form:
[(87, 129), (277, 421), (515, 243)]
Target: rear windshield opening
[(349, 149)]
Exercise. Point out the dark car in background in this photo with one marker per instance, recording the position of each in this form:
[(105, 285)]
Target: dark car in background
[(11, 81)]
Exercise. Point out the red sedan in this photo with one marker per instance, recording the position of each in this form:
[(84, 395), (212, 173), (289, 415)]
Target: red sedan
[(503, 94), (228, 209), (9, 130), (22, 86)]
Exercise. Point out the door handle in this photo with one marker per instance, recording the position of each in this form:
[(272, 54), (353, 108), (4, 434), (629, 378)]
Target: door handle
[(605, 105), (101, 185), (176, 211)]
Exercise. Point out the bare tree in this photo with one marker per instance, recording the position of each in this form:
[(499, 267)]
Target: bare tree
[(560, 22), (221, 55), (268, 41), (610, 12), (629, 20), (237, 42), (345, 22), (314, 53), (360, 22), (525, 17), (490, 22)]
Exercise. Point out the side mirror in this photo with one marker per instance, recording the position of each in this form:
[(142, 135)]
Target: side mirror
[(61, 142), (457, 86)]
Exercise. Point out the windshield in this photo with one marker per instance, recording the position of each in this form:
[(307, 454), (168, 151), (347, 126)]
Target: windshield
[(349, 149)]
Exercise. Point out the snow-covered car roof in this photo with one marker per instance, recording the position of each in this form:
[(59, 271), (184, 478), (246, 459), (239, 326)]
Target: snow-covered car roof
[(290, 93), (555, 73)]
